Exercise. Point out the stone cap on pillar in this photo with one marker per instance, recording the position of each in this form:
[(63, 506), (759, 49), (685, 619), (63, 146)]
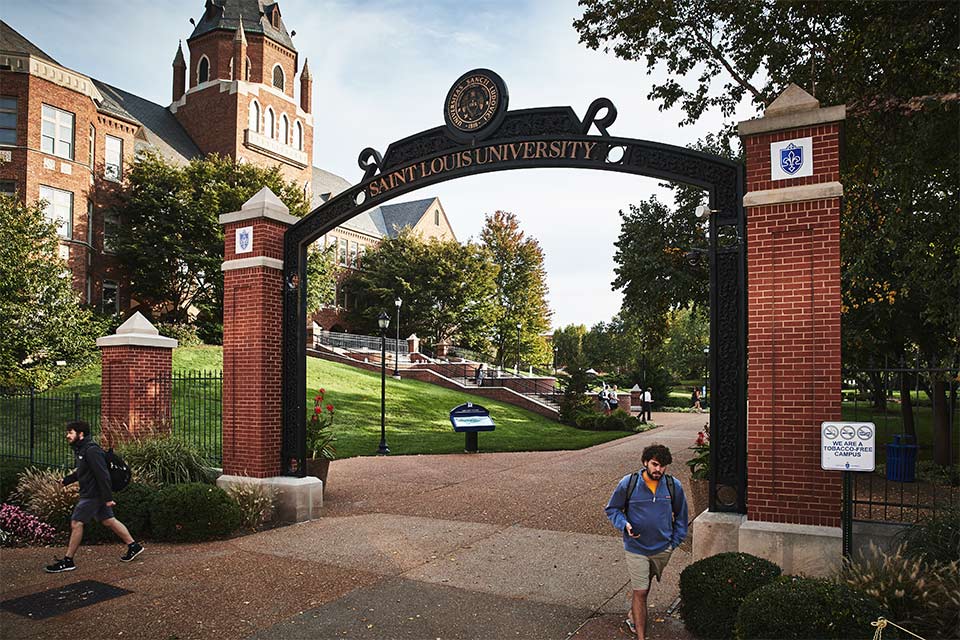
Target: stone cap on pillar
[(794, 108), (264, 204), (137, 332)]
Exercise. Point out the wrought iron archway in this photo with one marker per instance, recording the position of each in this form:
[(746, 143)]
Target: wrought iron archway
[(482, 136)]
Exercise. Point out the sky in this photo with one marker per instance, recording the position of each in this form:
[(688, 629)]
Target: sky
[(381, 71)]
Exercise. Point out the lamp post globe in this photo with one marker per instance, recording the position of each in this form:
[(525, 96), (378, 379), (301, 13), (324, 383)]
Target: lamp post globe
[(383, 321), (396, 355)]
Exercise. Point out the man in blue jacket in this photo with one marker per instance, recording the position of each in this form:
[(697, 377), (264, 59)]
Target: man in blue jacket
[(96, 497), (650, 509)]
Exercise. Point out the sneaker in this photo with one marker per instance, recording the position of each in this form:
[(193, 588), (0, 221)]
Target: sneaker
[(133, 550), (630, 625), (60, 566)]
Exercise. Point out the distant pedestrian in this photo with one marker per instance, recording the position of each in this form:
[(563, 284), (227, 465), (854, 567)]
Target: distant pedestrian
[(96, 497), (695, 400), (612, 398), (604, 398), (647, 403), (480, 373), (650, 509)]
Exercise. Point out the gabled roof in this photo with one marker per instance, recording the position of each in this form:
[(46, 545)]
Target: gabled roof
[(13, 42), (161, 130), (396, 217), (225, 14)]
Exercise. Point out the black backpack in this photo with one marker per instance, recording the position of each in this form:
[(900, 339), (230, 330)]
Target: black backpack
[(671, 489), (119, 471)]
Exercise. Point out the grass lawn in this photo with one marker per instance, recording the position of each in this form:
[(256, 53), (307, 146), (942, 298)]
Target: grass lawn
[(417, 417), (890, 423), (417, 413)]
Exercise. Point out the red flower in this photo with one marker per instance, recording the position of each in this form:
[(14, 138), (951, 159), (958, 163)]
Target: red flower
[(316, 410), (322, 391), (318, 398), (329, 408)]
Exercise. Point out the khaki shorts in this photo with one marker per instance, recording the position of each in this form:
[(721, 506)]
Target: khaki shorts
[(640, 567)]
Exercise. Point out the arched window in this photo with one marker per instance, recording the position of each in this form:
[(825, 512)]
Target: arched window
[(231, 69), (298, 135), (254, 116), (278, 77), (284, 129), (271, 123), (203, 70), (246, 71)]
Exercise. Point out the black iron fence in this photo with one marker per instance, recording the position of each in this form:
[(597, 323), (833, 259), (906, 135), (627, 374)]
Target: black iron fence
[(915, 411), (196, 403), (32, 423)]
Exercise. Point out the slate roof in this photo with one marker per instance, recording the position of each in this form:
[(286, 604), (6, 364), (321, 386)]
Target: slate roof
[(404, 214), (161, 130), (225, 14), (13, 42)]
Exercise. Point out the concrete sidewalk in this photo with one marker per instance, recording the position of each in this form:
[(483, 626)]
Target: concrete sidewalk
[(502, 545)]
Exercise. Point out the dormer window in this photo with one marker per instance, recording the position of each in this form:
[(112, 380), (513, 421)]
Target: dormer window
[(275, 18), (203, 70), (278, 78)]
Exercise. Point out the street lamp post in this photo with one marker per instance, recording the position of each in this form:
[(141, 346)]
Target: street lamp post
[(383, 321), (554, 360), (518, 349), (396, 356)]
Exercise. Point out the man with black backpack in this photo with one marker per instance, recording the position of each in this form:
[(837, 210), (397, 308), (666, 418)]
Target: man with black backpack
[(96, 496), (650, 509)]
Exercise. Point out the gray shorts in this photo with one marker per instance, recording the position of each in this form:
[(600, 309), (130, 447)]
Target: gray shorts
[(88, 508)]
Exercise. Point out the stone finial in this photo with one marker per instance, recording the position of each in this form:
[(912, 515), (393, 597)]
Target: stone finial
[(792, 100), (264, 204), (178, 60), (240, 35), (137, 331), (305, 74)]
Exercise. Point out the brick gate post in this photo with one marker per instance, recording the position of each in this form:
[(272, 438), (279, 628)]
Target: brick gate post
[(135, 390), (252, 361), (793, 282)]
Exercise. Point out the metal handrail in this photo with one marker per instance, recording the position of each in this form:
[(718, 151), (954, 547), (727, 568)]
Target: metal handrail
[(356, 342)]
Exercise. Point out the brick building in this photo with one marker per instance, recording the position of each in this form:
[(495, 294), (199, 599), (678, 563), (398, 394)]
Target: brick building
[(239, 90)]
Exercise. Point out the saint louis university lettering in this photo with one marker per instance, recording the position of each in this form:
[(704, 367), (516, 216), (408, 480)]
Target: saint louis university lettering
[(791, 159), (503, 152)]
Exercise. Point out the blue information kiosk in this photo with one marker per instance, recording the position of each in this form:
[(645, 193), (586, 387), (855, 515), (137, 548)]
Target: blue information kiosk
[(471, 419)]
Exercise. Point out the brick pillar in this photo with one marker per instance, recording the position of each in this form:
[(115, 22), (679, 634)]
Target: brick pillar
[(135, 381), (252, 335)]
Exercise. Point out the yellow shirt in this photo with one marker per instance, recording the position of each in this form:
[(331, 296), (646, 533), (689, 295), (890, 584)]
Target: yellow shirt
[(651, 483)]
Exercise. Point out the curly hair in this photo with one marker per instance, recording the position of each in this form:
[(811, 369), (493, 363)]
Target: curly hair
[(80, 427), (657, 452)]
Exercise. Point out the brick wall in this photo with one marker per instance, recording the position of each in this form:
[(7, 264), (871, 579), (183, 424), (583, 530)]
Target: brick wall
[(793, 262), (135, 391)]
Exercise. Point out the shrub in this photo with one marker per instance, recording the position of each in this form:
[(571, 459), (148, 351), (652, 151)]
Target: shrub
[(41, 492), (193, 512), (184, 334), (712, 589), (21, 527), (795, 607), (255, 502), (921, 597), (132, 509), (162, 459), (935, 539), (9, 473)]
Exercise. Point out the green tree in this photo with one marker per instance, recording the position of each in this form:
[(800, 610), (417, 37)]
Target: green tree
[(41, 320), (170, 241), (321, 276), (688, 333), (521, 293), (568, 342), (447, 289)]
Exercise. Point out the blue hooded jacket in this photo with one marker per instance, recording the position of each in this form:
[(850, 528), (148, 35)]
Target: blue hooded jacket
[(651, 515)]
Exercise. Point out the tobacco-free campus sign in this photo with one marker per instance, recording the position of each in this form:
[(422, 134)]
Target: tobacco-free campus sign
[(848, 446)]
